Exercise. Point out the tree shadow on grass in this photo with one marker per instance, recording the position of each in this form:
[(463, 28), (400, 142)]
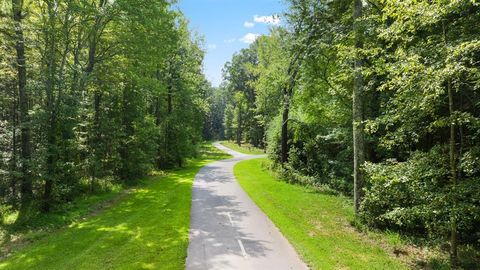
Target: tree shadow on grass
[(146, 230)]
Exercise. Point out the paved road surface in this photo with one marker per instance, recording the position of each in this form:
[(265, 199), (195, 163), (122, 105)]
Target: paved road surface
[(227, 230)]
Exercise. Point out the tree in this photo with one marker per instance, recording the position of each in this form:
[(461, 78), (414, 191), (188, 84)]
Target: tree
[(23, 100), (114, 89), (357, 104), (428, 75), (239, 77)]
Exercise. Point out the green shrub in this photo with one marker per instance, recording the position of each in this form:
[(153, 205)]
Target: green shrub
[(313, 159), (417, 197)]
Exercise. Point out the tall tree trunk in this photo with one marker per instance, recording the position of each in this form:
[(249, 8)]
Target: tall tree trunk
[(76, 64), (52, 154), (357, 106), (167, 141), (239, 126), (23, 100), (169, 100), (66, 118), (453, 166), (158, 121), (284, 138), (124, 171), (92, 45), (93, 37), (13, 160), (97, 139), (453, 177), (292, 73)]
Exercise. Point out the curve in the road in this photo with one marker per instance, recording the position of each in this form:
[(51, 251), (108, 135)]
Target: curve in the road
[(227, 229)]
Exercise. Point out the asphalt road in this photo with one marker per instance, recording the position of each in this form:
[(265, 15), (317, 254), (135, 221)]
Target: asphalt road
[(227, 229)]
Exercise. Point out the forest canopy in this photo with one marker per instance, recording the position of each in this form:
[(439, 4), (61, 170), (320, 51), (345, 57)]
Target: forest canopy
[(94, 93)]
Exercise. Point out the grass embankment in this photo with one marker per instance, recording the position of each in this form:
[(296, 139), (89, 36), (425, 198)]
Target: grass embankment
[(146, 228), (317, 224), (244, 148)]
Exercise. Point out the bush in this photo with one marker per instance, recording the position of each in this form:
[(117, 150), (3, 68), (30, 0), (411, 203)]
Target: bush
[(417, 197)]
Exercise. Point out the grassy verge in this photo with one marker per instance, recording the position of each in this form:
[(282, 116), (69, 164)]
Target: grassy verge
[(317, 224), (245, 148), (145, 228)]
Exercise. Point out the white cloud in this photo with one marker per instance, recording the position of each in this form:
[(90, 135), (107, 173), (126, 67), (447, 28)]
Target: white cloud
[(230, 40), (248, 24), (212, 46), (273, 19), (249, 38)]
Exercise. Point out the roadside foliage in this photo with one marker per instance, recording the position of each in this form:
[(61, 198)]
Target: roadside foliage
[(378, 100)]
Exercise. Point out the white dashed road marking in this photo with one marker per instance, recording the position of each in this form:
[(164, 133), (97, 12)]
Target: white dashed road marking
[(244, 253), (218, 244), (230, 218)]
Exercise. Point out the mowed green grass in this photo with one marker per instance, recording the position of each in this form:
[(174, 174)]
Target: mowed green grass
[(244, 148), (147, 229), (316, 224)]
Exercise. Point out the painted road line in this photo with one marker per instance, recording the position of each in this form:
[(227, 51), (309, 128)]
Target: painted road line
[(244, 253), (230, 218)]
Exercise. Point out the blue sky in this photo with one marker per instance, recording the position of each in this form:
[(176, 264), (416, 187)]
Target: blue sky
[(228, 26)]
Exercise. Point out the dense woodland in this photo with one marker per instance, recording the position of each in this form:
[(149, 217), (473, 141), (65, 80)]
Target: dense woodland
[(378, 100), (93, 93)]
